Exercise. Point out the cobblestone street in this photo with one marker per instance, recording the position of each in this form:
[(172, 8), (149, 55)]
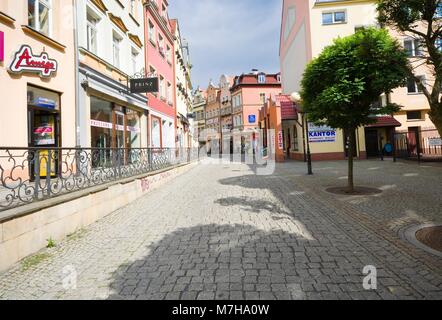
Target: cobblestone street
[(223, 232)]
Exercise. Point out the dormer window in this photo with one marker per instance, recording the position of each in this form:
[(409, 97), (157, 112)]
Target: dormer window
[(278, 78), (261, 78)]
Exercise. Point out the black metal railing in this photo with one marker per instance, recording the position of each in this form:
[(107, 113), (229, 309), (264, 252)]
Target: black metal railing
[(425, 145), (33, 174)]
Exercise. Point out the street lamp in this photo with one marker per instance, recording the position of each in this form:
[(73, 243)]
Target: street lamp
[(296, 98)]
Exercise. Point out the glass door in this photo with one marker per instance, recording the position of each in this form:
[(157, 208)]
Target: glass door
[(120, 137)]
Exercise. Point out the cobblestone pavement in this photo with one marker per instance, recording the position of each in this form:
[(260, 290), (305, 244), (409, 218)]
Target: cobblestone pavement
[(222, 232)]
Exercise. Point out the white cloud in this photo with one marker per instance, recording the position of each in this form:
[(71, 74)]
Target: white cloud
[(229, 36)]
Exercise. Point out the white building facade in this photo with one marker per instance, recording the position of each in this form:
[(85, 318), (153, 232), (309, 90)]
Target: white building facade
[(110, 35), (183, 89)]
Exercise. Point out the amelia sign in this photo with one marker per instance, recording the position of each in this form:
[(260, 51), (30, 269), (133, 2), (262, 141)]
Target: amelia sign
[(25, 61)]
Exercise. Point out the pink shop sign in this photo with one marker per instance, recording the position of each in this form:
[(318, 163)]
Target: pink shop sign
[(2, 46)]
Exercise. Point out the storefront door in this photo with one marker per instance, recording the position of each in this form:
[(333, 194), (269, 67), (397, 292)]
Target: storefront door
[(371, 143), (44, 131)]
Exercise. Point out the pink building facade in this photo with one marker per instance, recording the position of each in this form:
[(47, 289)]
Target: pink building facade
[(159, 61), (249, 93)]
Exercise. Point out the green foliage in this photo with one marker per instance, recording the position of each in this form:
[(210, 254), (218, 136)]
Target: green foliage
[(405, 14), (420, 20), (34, 260), (341, 85), (51, 243)]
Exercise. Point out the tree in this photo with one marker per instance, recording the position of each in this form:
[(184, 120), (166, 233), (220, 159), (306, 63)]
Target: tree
[(341, 88), (421, 20)]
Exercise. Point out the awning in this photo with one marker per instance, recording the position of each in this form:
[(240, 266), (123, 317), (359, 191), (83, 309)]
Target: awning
[(288, 108), (384, 121)]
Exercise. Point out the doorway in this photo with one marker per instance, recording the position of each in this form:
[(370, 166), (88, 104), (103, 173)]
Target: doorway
[(371, 143), (43, 131)]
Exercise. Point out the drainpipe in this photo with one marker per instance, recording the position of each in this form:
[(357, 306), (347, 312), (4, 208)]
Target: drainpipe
[(77, 78)]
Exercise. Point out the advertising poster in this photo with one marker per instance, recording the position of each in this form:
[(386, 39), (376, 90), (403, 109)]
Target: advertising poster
[(321, 133), (44, 130)]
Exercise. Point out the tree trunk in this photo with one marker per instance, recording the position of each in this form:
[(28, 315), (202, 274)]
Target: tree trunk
[(436, 117), (351, 144)]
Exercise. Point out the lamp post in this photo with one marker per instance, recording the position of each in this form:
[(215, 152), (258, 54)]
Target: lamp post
[(296, 98)]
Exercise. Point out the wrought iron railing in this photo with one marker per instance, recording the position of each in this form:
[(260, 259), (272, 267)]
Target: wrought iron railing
[(33, 174), (420, 145)]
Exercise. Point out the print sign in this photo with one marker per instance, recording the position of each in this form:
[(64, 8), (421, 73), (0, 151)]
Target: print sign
[(25, 61), (144, 85), (321, 133)]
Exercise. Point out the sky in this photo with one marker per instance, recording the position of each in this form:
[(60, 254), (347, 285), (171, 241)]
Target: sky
[(229, 36)]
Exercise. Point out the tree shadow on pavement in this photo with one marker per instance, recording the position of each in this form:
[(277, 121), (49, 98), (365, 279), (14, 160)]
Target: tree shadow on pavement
[(255, 206), (215, 262)]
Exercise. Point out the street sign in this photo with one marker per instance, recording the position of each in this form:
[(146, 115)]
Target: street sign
[(144, 85), (252, 118)]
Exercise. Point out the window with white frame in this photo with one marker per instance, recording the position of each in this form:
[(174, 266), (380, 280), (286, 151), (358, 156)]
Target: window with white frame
[(334, 17), (162, 95), (262, 78), (116, 41), (439, 44), (151, 32), (412, 86), (161, 44), (92, 33), (439, 11), (132, 7), (40, 16), (413, 47), (134, 60), (168, 54), (169, 93), (262, 97), (164, 11)]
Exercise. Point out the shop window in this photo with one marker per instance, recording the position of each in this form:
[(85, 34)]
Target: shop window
[(414, 115), (44, 110), (133, 129), (101, 132), (295, 139), (156, 132), (40, 16)]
